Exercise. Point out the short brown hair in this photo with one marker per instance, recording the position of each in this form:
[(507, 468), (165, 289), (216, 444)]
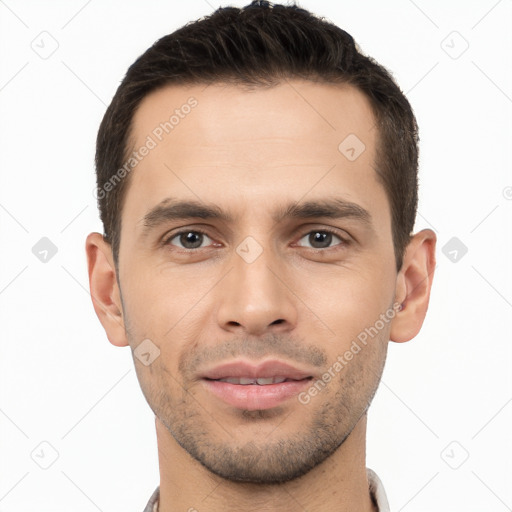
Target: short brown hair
[(263, 44)]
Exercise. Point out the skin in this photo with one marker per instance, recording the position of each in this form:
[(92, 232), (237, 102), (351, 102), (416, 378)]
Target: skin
[(251, 154)]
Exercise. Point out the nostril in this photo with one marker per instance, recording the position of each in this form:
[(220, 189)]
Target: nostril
[(275, 322)]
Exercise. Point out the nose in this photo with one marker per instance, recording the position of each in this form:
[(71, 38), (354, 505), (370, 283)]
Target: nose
[(255, 297)]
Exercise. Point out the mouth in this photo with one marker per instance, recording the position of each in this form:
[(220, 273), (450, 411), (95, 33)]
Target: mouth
[(250, 387), (260, 381)]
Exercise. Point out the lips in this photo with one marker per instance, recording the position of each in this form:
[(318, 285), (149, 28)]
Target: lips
[(246, 381), (263, 370), (246, 386)]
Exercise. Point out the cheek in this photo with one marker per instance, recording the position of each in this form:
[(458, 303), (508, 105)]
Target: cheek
[(157, 301), (346, 300), (160, 386), (172, 313)]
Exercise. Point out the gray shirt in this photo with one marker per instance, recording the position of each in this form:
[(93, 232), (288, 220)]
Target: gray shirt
[(376, 491)]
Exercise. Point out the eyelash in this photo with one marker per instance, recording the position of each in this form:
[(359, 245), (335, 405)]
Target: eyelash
[(344, 241)]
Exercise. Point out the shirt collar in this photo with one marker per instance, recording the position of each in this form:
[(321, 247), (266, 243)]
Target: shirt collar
[(377, 493)]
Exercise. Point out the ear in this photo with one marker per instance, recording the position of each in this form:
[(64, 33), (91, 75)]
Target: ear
[(413, 285), (105, 294)]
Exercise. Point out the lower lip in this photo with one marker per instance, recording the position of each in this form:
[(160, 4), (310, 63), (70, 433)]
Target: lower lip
[(253, 397)]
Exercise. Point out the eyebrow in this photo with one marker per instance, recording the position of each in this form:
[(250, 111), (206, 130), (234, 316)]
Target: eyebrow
[(171, 209)]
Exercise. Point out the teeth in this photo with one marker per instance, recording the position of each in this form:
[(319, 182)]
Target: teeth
[(261, 381)]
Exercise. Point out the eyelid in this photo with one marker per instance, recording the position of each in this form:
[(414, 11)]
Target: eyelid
[(166, 239), (344, 240)]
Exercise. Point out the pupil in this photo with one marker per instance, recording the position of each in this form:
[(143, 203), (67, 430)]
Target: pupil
[(320, 239), (191, 240)]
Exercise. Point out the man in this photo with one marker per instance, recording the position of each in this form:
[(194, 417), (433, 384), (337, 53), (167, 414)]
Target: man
[(257, 182)]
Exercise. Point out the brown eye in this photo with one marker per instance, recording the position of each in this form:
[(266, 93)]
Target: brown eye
[(189, 239), (319, 239)]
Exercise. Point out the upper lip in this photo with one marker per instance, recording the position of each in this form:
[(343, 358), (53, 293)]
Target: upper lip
[(265, 369)]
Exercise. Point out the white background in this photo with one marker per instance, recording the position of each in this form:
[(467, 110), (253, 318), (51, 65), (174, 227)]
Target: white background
[(444, 396)]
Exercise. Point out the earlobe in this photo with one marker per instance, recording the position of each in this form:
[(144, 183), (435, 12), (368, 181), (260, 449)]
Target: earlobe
[(104, 289), (414, 282)]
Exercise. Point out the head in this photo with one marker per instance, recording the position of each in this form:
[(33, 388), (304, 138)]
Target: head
[(251, 48), (257, 183)]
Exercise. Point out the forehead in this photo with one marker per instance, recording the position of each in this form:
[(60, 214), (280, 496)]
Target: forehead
[(222, 114), (229, 145)]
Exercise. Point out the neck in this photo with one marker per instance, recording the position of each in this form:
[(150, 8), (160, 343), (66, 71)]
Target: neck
[(339, 484)]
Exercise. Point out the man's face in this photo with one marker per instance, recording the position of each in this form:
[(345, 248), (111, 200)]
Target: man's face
[(266, 282)]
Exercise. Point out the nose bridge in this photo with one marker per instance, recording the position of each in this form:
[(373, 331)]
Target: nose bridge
[(253, 297)]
